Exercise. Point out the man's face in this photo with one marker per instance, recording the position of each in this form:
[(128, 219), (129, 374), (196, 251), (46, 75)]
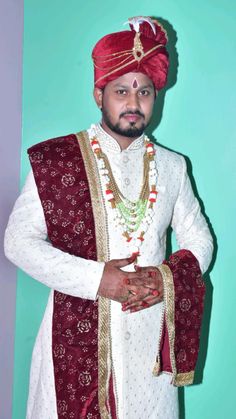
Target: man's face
[(127, 104)]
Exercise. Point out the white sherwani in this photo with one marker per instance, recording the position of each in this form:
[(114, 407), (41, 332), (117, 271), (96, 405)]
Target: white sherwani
[(135, 336)]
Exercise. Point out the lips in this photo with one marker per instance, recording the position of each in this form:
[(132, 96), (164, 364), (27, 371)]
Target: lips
[(132, 117)]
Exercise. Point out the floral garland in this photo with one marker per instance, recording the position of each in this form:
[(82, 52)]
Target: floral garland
[(134, 218)]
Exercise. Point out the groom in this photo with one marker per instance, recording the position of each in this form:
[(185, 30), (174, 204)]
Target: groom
[(122, 325)]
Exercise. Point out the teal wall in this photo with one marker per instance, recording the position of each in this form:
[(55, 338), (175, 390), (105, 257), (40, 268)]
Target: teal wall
[(197, 120)]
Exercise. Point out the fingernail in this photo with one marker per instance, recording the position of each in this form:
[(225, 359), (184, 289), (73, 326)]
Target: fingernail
[(126, 281), (155, 293), (151, 274)]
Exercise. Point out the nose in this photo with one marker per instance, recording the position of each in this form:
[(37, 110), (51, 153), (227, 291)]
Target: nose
[(132, 102)]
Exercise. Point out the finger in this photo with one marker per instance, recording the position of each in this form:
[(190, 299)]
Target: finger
[(139, 268), (144, 292), (154, 279), (134, 281), (152, 271), (141, 291), (133, 275), (155, 293), (126, 281), (136, 307), (146, 286), (132, 302), (143, 305), (120, 263), (145, 282), (136, 298), (132, 299)]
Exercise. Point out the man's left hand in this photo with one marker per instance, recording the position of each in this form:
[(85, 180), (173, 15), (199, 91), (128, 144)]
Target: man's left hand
[(154, 285)]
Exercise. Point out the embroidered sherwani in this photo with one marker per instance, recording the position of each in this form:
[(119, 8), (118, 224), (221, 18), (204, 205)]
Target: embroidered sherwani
[(134, 338)]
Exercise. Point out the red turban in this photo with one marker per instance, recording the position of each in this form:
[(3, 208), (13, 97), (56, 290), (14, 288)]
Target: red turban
[(141, 49)]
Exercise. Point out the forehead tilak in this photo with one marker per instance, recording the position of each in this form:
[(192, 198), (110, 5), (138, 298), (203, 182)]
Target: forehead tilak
[(135, 83)]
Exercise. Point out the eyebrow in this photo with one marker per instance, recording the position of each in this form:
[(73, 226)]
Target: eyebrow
[(121, 86), (147, 86)]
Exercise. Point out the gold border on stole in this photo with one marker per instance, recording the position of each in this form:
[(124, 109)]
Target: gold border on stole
[(178, 379), (102, 245)]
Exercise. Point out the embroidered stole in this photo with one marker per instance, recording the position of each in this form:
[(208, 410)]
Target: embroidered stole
[(65, 173), (184, 292)]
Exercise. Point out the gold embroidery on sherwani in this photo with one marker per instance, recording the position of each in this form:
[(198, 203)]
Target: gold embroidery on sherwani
[(169, 303), (184, 378), (102, 244)]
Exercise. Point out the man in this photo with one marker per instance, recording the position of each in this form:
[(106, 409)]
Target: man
[(121, 329)]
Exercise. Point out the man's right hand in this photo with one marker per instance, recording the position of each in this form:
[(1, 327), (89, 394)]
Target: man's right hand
[(115, 282)]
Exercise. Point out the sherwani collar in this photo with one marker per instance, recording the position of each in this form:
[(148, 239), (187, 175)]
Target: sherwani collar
[(108, 143)]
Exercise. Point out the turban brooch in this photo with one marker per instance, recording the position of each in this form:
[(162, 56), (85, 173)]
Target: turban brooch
[(141, 49)]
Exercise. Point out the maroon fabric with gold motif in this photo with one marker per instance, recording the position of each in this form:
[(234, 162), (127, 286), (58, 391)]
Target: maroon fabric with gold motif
[(189, 292), (64, 192)]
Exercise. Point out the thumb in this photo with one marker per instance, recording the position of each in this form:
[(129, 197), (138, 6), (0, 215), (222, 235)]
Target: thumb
[(120, 263)]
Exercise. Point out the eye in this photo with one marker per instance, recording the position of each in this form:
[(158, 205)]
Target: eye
[(144, 92), (121, 92)]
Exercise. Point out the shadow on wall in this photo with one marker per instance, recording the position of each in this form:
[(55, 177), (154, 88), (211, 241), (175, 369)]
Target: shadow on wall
[(158, 111)]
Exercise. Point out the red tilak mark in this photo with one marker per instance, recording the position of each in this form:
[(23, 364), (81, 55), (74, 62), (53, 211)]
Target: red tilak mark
[(135, 84)]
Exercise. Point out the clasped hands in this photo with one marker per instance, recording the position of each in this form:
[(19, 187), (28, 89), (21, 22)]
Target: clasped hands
[(134, 290)]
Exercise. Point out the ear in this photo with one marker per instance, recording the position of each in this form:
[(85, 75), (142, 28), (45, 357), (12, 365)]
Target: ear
[(98, 94)]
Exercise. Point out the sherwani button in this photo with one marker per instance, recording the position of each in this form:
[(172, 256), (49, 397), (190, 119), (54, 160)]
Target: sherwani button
[(127, 181), (127, 335)]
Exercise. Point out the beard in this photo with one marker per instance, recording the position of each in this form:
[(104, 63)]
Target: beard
[(131, 132)]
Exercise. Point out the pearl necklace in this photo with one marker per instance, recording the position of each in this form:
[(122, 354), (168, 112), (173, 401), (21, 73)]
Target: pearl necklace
[(133, 218)]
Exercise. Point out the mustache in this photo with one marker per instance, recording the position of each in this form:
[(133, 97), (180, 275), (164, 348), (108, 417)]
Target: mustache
[(137, 112)]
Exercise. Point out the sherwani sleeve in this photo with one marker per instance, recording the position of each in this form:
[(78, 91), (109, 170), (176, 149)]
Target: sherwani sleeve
[(27, 247), (189, 224)]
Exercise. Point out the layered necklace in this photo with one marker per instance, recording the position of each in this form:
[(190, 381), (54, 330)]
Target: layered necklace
[(132, 217)]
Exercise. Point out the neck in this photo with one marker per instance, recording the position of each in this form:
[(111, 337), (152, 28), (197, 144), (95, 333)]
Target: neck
[(123, 141)]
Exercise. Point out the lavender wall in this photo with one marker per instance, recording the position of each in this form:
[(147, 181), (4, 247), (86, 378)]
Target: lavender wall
[(11, 30)]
